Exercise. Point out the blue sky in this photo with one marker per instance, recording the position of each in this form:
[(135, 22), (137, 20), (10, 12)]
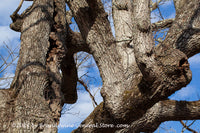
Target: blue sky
[(76, 113)]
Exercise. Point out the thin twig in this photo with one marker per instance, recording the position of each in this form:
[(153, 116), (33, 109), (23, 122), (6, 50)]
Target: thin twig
[(159, 11), (86, 88), (187, 127)]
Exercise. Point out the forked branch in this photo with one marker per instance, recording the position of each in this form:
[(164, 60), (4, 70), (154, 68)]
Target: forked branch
[(188, 127)]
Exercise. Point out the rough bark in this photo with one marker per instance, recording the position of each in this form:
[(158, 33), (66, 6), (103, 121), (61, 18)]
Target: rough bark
[(164, 69), (35, 99), (94, 26), (185, 32), (164, 111), (30, 108), (4, 110), (167, 23), (137, 76)]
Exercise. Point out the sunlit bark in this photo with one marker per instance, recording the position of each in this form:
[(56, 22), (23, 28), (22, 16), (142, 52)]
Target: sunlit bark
[(137, 76)]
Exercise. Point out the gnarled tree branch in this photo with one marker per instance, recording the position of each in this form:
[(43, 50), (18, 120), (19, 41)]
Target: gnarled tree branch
[(158, 72), (158, 66), (185, 31), (168, 110), (17, 19)]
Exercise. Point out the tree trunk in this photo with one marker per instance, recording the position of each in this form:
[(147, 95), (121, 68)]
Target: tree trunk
[(138, 77), (35, 99)]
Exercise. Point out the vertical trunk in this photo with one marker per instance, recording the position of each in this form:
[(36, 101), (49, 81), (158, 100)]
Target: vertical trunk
[(4, 110), (30, 108), (36, 99)]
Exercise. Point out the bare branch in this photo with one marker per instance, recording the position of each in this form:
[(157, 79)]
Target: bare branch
[(165, 111), (167, 23), (75, 43), (155, 5), (160, 13), (84, 58), (184, 33), (152, 71), (18, 8), (188, 127), (86, 88), (9, 58)]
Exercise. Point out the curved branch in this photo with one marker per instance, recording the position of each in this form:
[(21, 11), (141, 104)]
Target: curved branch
[(18, 19), (158, 66), (74, 44), (96, 31), (168, 110), (164, 71), (185, 31)]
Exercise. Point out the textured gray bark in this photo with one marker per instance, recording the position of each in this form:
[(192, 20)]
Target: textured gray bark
[(35, 99), (137, 76), (154, 74)]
